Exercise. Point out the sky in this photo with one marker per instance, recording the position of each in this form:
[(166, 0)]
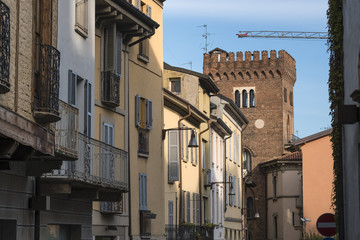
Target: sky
[(184, 44)]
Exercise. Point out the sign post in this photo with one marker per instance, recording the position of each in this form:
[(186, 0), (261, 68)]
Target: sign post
[(326, 225)]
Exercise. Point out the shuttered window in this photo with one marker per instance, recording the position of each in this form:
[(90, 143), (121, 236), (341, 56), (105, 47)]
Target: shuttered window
[(143, 113), (113, 49), (197, 209), (171, 213), (226, 189), (72, 88), (87, 108), (188, 217), (235, 146), (182, 141), (194, 207), (183, 206), (239, 193), (81, 17), (143, 191), (173, 156)]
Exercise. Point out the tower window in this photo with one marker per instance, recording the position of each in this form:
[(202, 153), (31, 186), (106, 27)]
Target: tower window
[(244, 99), (252, 98), (237, 98), (291, 98), (247, 160), (285, 95), (175, 85)]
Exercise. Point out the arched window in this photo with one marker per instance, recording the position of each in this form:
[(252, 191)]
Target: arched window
[(244, 99), (288, 129), (237, 98), (247, 160), (252, 98), (291, 98), (250, 207)]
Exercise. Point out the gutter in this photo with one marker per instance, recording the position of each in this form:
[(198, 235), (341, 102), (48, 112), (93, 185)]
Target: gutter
[(143, 38)]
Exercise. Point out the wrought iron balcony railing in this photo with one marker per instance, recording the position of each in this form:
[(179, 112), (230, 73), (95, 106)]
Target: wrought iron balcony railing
[(66, 133), (174, 232), (111, 207), (4, 48), (46, 107), (110, 84), (98, 164)]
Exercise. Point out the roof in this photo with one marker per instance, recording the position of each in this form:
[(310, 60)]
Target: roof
[(313, 137), (234, 107), (290, 158), (218, 50), (221, 128), (204, 80)]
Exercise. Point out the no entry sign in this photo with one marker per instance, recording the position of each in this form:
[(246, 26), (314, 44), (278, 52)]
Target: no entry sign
[(326, 224)]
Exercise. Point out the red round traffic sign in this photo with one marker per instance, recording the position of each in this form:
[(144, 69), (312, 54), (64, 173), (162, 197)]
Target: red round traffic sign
[(326, 225)]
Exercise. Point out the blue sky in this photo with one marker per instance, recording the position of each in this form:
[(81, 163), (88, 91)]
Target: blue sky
[(183, 43)]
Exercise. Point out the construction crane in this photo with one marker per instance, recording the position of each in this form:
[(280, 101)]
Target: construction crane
[(282, 34)]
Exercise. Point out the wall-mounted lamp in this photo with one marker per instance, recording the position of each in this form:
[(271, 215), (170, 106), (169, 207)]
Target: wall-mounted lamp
[(192, 142)]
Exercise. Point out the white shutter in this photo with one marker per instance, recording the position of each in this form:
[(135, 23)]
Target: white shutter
[(182, 140), (196, 150), (188, 207), (138, 4), (145, 191), (173, 156), (171, 213), (239, 193), (186, 145), (194, 207), (137, 111), (235, 146), (148, 11), (197, 209), (149, 114), (226, 189)]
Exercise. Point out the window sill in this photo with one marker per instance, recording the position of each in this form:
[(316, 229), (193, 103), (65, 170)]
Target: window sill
[(143, 58), (81, 31), (143, 155)]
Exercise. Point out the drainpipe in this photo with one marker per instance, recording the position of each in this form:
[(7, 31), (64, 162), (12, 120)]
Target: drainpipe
[(143, 38), (180, 165), (200, 169)]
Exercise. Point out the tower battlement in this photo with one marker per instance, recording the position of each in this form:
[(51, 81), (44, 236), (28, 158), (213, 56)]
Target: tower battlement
[(218, 58)]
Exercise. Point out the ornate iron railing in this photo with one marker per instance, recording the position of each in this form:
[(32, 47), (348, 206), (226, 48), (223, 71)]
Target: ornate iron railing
[(66, 133), (111, 207), (110, 84), (47, 94), (188, 232), (4, 48), (98, 164)]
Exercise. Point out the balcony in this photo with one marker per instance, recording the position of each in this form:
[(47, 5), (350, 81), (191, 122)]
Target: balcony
[(4, 48), (111, 207), (189, 231), (99, 173), (110, 83), (46, 96), (66, 133)]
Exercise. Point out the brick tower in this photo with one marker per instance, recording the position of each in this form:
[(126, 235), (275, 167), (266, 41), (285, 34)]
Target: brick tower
[(263, 89)]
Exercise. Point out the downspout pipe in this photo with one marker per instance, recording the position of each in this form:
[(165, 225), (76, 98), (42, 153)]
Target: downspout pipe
[(180, 165), (200, 168)]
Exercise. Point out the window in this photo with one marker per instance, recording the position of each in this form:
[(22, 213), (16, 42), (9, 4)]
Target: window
[(247, 160), (235, 146), (285, 95), (63, 232), (112, 49), (143, 191), (244, 99), (143, 149), (106, 162), (188, 217), (226, 190), (203, 150), (4, 48), (183, 206), (252, 98), (175, 85), (144, 51), (110, 80), (274, 187), (81, 17), (8, 229), (291, 97), (194, 207), (87, 108), (143, 109), (237, 98), (275, 227), (250, 207), (173, 156), (171, 213), (197, 209), (239, 192)]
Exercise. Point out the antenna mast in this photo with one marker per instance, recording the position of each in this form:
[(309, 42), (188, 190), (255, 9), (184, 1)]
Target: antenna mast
[(205, 35)]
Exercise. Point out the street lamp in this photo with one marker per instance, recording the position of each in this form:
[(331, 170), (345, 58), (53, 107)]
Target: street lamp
[(304, 220)]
